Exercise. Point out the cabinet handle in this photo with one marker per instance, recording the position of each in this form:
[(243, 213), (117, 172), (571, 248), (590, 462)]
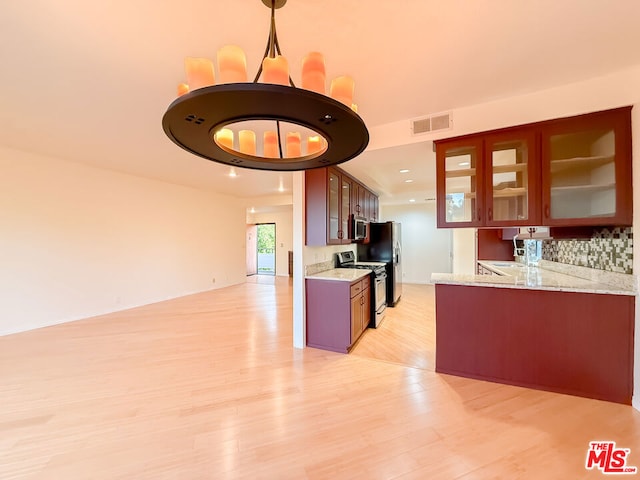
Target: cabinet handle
[(547, 211), (340, 234), (479, 218), (490, 215)]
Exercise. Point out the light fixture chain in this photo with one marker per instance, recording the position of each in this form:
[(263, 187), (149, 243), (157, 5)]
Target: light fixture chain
[(272, 31), (276, 44), (273, 46)]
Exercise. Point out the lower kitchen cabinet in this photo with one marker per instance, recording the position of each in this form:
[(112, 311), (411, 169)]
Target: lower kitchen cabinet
[(566, 342), (360, 308), (338, 312)]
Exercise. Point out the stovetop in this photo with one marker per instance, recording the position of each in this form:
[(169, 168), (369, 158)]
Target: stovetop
[(367, 264), (348, 260)]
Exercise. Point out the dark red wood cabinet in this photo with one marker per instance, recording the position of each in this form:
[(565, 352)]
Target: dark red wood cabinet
[(488, 180), (327, 202), (586, 169), (573, 171), (338, 312), (566, 342), (491, 245), (331, 197)]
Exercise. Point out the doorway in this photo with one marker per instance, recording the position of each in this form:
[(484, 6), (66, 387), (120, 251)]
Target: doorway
[(261, 249), (266, 248)]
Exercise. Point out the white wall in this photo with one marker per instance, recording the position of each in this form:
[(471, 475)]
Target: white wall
[(464, 246), (78, 241), (425, 248), (283, 218)]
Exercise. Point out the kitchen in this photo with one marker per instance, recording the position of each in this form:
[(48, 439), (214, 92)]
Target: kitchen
[(612, 209), (105, 219)]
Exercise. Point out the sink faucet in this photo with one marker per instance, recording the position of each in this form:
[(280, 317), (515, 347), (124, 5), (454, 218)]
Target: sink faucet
[(517, 252)]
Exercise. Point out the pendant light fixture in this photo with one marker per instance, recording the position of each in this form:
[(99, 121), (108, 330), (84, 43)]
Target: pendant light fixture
[(267, 124)]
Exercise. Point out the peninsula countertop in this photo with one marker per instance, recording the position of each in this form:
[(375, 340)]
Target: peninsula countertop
[(545, 276)]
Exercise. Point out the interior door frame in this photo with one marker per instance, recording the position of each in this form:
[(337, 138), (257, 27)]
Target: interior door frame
[(252, 249)]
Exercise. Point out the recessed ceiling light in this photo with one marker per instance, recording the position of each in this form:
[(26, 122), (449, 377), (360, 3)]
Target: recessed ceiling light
[(412, 200), (232, 172), (404, 170), (408, 181)]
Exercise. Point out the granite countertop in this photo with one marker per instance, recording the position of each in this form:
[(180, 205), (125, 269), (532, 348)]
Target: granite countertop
[(546, 276), (340, 274)]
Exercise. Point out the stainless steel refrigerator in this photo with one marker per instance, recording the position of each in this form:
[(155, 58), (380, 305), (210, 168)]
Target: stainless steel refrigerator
[(385, 245)]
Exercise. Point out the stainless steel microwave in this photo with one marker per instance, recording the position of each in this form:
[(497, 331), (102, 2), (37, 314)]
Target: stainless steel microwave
[(359, 228)]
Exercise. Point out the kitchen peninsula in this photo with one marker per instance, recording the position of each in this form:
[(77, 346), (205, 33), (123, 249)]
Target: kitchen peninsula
[(552, 327)]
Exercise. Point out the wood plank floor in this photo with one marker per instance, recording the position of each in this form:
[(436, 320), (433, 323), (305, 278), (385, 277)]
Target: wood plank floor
[(208, 386), (407, 335)]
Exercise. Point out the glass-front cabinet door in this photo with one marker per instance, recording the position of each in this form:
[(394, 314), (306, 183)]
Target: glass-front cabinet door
[(460, 201), (511, 176), (586, 170), (333, 207), (345, 207)]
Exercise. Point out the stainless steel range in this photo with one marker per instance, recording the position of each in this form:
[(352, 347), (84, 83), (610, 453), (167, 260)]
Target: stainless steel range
[(347, 259)]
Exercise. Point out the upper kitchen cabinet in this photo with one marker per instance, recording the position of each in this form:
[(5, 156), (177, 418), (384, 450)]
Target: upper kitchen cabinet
[(511, 178), (359, 201), (373, 207), (332, 197), (568, 172), (459, 185), (328, 203), (488, 180), (586, 164), (364, 203)]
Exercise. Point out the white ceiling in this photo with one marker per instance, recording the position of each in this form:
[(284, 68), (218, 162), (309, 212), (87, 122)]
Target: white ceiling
[(89, 81)]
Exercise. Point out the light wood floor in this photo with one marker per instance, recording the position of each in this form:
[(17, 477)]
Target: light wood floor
[(209, 387), (407, 335)]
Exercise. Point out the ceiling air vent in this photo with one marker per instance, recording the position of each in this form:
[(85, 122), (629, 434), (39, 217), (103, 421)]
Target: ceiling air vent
[(432, 123)]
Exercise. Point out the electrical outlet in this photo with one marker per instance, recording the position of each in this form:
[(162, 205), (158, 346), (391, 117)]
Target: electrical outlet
[(213, 280)]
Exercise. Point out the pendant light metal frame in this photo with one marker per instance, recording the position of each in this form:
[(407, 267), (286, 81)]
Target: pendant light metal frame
[(193, 118)]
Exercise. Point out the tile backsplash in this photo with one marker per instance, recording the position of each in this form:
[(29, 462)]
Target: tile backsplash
[(609, 249)]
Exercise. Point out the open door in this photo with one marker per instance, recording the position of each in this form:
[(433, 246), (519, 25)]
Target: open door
[(252, 249)]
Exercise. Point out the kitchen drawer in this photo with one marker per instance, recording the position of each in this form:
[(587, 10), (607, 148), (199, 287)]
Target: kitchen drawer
[(356, 288), (360, 286)]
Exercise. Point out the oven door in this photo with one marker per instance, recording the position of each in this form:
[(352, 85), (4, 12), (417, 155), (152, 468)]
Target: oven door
[(380, 293)]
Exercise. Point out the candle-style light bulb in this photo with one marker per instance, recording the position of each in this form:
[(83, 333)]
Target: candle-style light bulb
[(275, 70), (199, 72)]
